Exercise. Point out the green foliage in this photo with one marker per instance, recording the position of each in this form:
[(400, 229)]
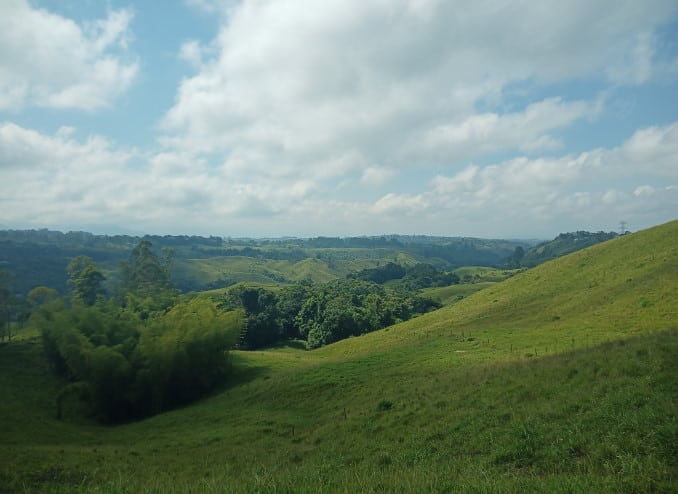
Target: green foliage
[(7, 301), (12, 308), (425, 275), (290, 300), (345, 308), (516, 259), (132, 368), (184, 354), (263, 327), (145, 285), (142, 273), (380, 274), (420, 275), (320, 314), (563, 244), (42, 295), (86, 280)]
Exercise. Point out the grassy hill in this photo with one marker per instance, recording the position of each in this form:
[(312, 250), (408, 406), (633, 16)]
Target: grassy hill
[(235, 269), (563, 378)]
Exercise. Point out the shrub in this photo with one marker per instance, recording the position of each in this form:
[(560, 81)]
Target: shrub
[(127, 367)]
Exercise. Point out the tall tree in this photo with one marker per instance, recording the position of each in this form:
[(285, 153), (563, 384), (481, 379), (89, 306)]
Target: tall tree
[(86, 280), (6, 303), (142, 274)]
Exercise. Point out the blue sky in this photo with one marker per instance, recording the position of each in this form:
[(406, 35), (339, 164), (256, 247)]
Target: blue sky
[(346, 117)]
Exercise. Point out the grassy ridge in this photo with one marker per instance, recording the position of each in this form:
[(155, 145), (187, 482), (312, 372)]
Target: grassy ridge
[(202, 272), (560, 379)]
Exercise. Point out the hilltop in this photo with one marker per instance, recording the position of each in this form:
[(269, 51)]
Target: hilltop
[(559, 379)]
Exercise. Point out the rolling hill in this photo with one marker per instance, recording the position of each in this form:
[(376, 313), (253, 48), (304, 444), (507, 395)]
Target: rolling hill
[(559, 379), (40, 257)]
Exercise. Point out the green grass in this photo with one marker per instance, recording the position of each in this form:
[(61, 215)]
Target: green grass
[(447, 295), (563, 378), (482, 273)]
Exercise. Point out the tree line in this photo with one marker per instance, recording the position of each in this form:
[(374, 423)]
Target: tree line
[(320, 314)]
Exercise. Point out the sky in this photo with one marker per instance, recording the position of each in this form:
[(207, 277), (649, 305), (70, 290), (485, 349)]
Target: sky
[(267, 118)]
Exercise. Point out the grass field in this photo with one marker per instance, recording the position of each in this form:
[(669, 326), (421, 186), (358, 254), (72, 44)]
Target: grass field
[(563, 378), (447, 295)]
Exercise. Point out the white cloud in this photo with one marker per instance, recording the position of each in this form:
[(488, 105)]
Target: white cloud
[(526, 130), (57, 179), (399, 82), (50, 61), (376, 175), (644, 190), (545, 191)]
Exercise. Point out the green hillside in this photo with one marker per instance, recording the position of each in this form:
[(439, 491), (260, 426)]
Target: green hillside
[(224, 271), (562, 378)]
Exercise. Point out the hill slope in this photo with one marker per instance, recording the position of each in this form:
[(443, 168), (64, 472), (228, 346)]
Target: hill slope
[(560, 379)]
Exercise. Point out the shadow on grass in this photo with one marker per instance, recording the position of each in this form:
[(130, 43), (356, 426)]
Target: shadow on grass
[(242, 373), (294, 344)]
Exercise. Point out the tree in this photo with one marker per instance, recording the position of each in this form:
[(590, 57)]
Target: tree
[(146, 285), (290, 301), (263, 326), (516, 258), (7, 304), (86, 280), (125, 368), (41, 295)]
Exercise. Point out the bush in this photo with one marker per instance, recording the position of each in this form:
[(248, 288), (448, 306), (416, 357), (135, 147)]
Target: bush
[(129, 368)]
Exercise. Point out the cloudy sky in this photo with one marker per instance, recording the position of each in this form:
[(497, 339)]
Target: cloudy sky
[(341, 117)]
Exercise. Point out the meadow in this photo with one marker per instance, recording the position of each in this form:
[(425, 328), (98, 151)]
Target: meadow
[(562, 378)]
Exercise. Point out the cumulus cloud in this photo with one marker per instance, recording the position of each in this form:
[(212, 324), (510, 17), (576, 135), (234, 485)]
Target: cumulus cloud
[(50, 61), (52, 179), (551, 190), (304, 80), (47, 178), (526, 130)]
